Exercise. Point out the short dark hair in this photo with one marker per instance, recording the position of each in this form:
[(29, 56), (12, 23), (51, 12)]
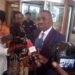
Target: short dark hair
[(2, 16), (47, 11), (28, 13)]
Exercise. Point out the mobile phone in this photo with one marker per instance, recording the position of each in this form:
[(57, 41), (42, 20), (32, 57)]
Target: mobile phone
[(67, 63)]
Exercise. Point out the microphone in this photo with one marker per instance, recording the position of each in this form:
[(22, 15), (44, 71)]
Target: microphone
[(33, 52), (31, 47)]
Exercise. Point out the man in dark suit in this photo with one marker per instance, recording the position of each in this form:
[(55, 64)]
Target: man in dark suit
[(49, 39)]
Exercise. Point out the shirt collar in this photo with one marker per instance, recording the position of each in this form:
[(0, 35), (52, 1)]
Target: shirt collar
[(45, 32), (48, 30)]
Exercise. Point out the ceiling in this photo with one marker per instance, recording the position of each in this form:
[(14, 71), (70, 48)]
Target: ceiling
[(13, 0), (72, 2)]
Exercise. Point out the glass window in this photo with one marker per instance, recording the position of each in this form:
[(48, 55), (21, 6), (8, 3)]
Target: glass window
[(57, 15), (72, 31), (33, 8), (24, 8)]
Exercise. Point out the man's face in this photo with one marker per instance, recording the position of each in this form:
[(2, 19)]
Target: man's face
[(28, 17), (44, 21)]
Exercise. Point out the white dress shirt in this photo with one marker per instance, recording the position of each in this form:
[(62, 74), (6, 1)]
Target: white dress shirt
[(3, 59), (45, 33)]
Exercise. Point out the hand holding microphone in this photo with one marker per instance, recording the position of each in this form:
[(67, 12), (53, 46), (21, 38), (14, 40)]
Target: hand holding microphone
[(31, 47), (35, 57), (32, 53), (39, 59)]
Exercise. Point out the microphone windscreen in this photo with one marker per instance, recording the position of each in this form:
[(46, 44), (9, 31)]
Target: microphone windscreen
[(31, 47)]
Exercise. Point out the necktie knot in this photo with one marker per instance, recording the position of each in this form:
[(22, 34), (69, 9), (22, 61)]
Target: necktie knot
[(42, 35)]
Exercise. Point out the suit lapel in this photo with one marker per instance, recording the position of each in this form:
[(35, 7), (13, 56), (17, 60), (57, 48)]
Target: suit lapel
[(50, 37), (48, 43)]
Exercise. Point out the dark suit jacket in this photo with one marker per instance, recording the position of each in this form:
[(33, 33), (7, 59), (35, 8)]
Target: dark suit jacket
[(52, 38)]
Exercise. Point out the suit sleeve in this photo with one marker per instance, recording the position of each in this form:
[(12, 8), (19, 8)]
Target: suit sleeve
[(59, 38)]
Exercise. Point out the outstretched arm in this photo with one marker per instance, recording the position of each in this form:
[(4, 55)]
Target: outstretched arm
[(59, 69)]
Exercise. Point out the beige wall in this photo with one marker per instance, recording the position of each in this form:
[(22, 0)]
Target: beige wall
[(2, 5)]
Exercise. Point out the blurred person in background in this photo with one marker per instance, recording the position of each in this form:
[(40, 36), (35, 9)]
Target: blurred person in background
[(16, 66), (4, 29), (16, 28), (29, 26), (4, 34)]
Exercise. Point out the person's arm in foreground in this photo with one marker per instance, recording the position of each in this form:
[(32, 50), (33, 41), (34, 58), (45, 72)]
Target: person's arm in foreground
[(59, 69), (54, 64)]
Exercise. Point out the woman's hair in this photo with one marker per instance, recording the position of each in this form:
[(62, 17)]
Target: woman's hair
[(13, 17), (2, 16)]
